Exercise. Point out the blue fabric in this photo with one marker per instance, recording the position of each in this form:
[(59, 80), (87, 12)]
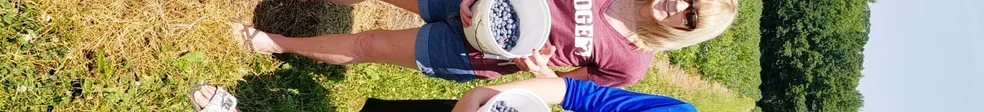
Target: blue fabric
[(586, 96), (440, 46)]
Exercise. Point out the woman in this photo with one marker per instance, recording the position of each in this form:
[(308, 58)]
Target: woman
[(611, 41)]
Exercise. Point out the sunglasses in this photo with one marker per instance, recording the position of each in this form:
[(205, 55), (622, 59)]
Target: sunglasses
[(691, 13)]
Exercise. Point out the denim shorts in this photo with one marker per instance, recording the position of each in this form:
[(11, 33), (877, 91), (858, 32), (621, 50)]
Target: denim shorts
[(441, 48)]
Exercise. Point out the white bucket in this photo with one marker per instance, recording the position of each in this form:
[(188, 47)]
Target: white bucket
[(521, 99), (534, 26)]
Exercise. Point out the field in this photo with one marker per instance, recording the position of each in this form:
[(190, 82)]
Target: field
[(732, 58), (140, 55)]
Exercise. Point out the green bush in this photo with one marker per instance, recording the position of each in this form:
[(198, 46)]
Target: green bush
[(811, 54)]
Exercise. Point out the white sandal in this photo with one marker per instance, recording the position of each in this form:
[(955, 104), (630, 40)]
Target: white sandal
[(221, 101)]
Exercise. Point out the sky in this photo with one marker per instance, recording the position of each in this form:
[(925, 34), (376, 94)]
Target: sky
[(924, 56)]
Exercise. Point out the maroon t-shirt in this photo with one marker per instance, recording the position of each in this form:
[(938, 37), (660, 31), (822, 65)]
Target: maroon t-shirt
[(583, 39)]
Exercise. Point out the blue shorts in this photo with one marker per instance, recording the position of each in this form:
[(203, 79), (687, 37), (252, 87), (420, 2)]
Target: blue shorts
[(441, 48)]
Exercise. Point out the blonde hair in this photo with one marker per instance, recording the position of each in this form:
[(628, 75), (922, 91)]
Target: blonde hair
[(714, 17)]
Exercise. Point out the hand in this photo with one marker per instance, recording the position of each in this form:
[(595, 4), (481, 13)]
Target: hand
[(472, 100), (537, 63), (465, 12)]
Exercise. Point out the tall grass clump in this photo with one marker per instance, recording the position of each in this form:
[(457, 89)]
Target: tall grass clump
[(102, 55)]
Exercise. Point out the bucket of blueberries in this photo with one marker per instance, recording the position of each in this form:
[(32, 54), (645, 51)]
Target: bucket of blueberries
[(515, 100), (506, 29)]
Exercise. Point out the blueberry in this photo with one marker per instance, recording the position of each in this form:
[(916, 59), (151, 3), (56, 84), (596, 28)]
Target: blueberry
[(504, 24)]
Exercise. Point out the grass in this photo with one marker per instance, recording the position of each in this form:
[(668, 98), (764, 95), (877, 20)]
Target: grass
[(140, 55), (731, 59), (25, 50)]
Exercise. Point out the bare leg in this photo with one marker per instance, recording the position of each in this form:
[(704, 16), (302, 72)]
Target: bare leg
[(405, 4), (378, 46)]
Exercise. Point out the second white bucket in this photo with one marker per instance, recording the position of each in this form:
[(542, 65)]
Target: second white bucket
[(534, 27), (520, 99)]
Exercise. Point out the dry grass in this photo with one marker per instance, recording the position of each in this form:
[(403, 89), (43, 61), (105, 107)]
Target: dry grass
[(707, 95), (144, 54), (379, 15), (687, 80), (131, 54), (140, 33)]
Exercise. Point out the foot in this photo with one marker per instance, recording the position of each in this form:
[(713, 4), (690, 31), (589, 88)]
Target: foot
[(256, 40), (203, 96)]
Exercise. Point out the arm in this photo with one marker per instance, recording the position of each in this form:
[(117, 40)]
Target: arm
[(579, 73), (576, 95), (614, 70), (546, 84), (536, 63), (552, 90)]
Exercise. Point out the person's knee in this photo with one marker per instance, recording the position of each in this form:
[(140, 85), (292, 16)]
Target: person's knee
[(367, 46), (385, 46)]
